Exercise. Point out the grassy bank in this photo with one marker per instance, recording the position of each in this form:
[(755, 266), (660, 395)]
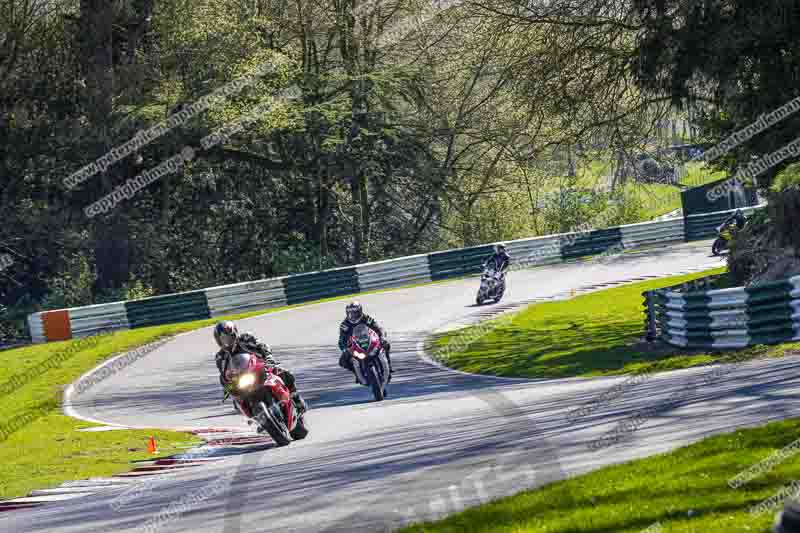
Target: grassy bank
[(590, 335), (51, 450), (684, 491)]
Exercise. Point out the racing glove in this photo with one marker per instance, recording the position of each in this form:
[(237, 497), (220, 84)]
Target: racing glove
[(344, 360)]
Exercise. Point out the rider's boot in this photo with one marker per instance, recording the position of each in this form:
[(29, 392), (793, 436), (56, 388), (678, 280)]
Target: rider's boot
[(386, 350), (346, 363), (299, 402)]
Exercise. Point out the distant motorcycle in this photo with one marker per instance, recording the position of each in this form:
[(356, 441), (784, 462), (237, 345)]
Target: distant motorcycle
[(369, 360), (492, 287), (723, 240), (263, 397)]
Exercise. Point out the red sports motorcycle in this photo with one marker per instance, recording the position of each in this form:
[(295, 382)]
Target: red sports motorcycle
[(369, 360), (262, 397)]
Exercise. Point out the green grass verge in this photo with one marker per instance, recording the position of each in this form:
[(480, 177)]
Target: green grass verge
[(685, 491), (659, 199), (51, 450), (656, 199), (699, 174), (590, 335)]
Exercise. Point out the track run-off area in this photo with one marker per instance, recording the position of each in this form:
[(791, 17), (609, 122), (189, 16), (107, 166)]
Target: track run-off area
[(441, 441)]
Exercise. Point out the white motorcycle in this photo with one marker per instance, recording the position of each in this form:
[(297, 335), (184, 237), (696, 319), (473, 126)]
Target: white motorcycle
[(493, 285)]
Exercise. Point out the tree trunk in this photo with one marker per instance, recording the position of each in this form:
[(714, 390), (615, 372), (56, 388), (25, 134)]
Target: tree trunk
[(111, 240), (355, 191), (365, 218), (323, 212), (162, 275), (358, 184), (572, 170)]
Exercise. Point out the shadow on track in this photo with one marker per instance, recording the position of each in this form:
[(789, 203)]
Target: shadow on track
[(320, 379), (325, 384)]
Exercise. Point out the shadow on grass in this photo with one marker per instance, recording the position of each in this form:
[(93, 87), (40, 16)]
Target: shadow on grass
[(591, 335), (560, 350)]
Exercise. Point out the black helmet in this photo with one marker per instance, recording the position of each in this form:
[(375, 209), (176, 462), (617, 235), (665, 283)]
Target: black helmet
[(227, 335), (499, 248), (354, 312)]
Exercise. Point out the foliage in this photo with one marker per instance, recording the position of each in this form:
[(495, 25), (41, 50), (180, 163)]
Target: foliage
[(729, 63), (401, 142), (786, 178), (749, 250), (72, 286)]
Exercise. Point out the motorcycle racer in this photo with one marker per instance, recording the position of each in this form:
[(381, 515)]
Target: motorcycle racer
[(500, 260), (232, 342), (737, 218), (354, 316)]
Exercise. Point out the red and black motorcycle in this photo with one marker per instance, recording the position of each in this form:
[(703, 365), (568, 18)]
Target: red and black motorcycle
[(369, 360), (264, 398)]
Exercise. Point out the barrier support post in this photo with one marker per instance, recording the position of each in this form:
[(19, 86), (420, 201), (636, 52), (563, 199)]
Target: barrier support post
[(650, 317)]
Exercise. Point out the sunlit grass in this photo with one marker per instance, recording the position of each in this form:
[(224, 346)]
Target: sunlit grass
[(685, 491), (594, 334)]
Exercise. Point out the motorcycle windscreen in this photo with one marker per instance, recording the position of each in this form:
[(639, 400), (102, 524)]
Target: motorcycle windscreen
[(239, 362), (361, 333)]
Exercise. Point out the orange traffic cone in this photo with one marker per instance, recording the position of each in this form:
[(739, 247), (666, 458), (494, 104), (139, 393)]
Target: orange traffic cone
[(151, 446)]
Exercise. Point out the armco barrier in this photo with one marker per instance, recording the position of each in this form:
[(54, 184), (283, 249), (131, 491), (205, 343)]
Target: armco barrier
[(592, 242), (457, 263), (93, 319), (36, 328), (316, 285), (240, 297), (243, 297), (705, 225), (181, 307), (526, 253), (724, 318), (394, 273), (643, 234)]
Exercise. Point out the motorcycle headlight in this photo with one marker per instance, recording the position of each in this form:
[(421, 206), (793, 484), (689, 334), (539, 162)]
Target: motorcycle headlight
[(358, 355), (246, 381)]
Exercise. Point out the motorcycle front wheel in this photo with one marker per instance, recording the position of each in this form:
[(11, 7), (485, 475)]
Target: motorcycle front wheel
[(375, 382), (499, 294), (718, 246), (275, 429)]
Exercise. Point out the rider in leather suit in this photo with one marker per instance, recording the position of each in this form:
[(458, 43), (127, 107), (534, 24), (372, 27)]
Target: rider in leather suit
[(232, 342), (355, 316)]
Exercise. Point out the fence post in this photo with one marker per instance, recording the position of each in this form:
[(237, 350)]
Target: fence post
[(650, 317)]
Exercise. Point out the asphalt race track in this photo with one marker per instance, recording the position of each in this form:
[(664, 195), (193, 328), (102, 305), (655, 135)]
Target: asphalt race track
[(441, 441)]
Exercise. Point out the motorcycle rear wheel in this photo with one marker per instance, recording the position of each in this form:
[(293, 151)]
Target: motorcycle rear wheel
[(300, 431), (275, 429)]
